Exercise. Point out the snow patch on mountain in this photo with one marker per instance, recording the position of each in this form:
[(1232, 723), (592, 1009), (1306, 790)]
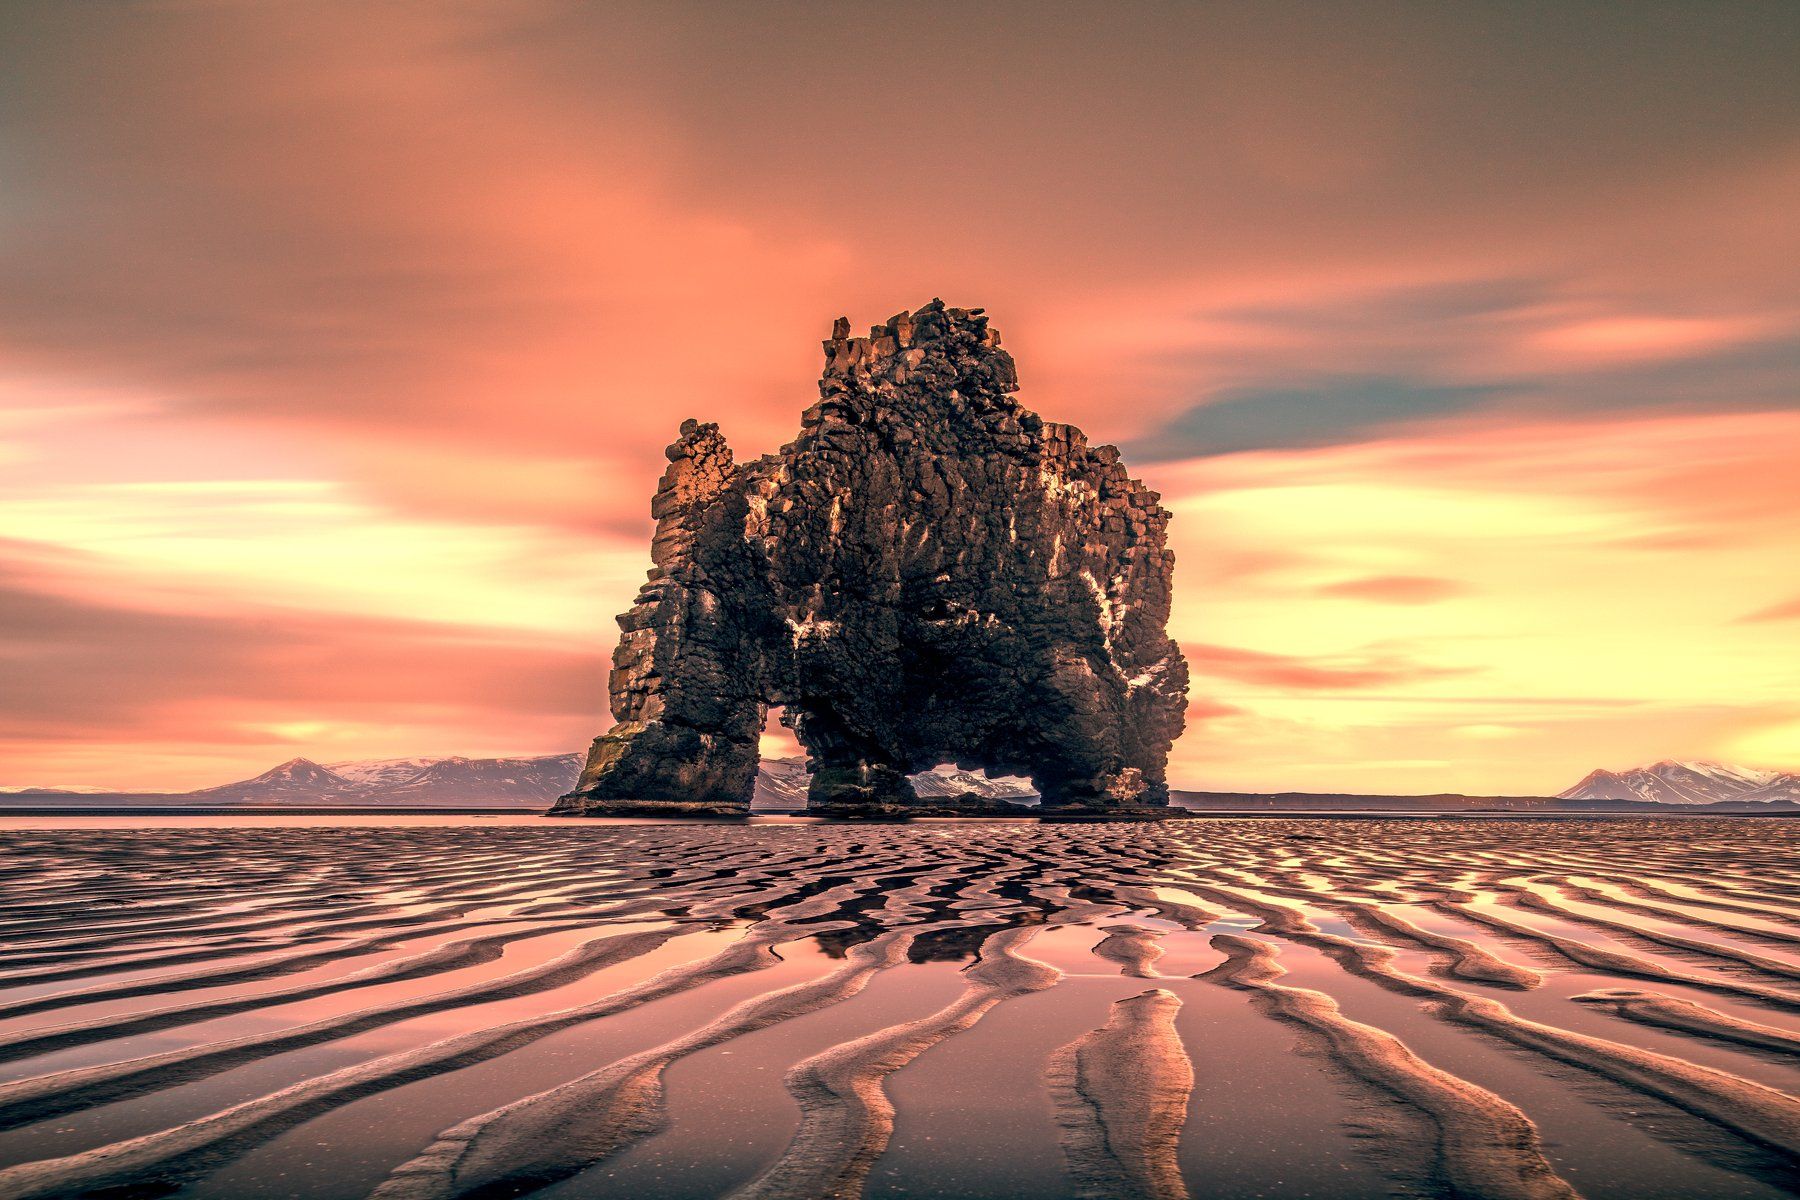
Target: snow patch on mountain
[(380, 772), (297, 779), (947, 780), (781, 783)]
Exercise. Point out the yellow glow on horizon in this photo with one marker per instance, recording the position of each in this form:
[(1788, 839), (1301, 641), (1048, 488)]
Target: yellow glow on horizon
[(1568, 641), (313, 543), (1778, 746)]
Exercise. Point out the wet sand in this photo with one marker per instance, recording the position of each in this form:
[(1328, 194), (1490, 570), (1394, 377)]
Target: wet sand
[(427, 1008)]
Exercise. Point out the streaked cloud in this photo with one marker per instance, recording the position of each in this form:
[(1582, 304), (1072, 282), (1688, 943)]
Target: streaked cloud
[(1787, 610), (115, 695), (1394, 589), (1308, 674)]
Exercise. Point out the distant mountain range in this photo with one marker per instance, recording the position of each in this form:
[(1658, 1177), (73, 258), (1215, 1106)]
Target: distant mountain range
[(404, 781), (451, 782), (1658, 788), (531, 783), (1671, 782)]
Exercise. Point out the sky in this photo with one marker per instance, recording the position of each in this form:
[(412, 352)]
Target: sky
[(339, 344)]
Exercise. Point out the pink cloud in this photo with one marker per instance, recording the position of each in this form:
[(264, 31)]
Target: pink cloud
[(1786, 611), (93, 671), (1395, 589), (1307, 674)]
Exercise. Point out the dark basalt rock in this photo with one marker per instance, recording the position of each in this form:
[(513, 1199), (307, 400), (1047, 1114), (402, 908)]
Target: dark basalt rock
[(671, 809), (968, 804), (928, 573)]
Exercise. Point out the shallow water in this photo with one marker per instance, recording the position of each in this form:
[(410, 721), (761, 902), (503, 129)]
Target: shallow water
[(441, 1006)]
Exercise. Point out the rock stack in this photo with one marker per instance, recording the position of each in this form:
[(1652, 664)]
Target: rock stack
[(929, 573)]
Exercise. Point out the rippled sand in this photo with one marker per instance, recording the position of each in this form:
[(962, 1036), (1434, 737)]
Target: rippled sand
[(1230, 1008)]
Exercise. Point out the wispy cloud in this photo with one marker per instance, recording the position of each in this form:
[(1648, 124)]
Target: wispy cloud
[(1395, 589), (1787, 610), (86, 675), (1349, 672)]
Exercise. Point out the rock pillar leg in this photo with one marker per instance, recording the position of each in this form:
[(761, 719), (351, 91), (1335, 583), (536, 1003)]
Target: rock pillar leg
[(858, 785), (687, 681)]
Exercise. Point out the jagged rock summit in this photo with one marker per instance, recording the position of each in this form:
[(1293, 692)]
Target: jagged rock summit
[(929, 573)]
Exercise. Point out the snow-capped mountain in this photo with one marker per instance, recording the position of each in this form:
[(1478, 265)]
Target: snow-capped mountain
[(404, 781), (470, 780), (298, 780), (1671, 782), (1782, 787), (380, 772)]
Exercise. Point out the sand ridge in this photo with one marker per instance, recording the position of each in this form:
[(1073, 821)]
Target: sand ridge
[(1567, 1003)]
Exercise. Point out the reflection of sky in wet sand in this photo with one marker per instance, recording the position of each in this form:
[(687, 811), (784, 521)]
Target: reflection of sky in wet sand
[(295, 996)]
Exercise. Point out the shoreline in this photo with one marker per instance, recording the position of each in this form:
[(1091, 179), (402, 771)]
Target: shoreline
[(766, 815)]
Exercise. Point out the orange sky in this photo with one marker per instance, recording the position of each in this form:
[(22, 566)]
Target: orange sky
[(338, 344)]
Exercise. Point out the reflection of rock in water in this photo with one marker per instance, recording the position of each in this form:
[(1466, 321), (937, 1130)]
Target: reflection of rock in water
[(528, 987), (929, 573), (956, 944)]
